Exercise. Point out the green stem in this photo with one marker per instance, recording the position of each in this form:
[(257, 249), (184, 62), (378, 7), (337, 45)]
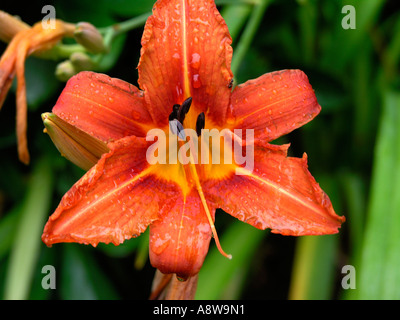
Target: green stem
[(248, 34), (26, 248), (114, 30)]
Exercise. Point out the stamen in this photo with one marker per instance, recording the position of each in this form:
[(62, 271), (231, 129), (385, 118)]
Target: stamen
[(174, 114), (200, 123), (177, 128), (184, 109), (176, 119), (204, 203), (210, 221)]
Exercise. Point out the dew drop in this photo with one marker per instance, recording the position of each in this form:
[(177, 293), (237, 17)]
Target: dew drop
[(111, 100), (159, 245), (135, 115), (196, 81), (195, 63)]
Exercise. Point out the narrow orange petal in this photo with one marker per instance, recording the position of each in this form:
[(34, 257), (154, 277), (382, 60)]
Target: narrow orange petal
[(24, 43), (104, 107), (179, 240), (115, 200), (274, 104), (280, 193), (22, 105), (10, 26), (189, 43), (7, 69)]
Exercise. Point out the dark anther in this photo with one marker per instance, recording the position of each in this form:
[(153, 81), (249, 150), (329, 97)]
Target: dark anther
[(174, 113), (230, 84), (200, 123), (175, 108), (184, 109)]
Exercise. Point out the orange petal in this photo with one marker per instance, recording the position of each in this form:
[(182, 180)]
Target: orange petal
[(274, 104), (179, 240), (189, 43), (7, 69), (25, 43), (104, 107), (280, 193), (115, 200)]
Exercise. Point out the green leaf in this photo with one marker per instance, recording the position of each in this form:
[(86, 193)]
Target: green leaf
[(124, 249), (345, 44), (315, 258), (8, 227), (379, 272), (27, 241), (235, 16), (248, 34), (314, 268), (129, 8), (221, 278), (81, 276)]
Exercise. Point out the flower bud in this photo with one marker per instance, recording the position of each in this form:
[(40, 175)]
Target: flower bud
[(88, 36), (74, 144), (81, 61), (65, 70)]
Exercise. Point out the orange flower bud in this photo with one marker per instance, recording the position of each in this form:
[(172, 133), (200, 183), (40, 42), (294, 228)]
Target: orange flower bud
[(77, 146)]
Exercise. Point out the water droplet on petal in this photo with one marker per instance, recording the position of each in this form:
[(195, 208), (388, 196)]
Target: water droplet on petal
[(159, 245), (135, 115), (196, 81), (195, 63)]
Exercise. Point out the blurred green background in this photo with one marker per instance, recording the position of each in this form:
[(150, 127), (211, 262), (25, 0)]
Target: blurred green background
[(353, 148)]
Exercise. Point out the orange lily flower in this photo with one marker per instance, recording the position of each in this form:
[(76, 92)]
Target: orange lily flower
[(185, 75), (26, 41)]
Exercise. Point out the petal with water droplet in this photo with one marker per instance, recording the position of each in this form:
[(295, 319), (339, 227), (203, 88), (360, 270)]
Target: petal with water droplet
[(274, 104), (95, 209), (104, 107), (190, 64), (280, 194), (189, 237)]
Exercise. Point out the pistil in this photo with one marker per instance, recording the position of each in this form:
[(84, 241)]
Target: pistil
[(176, 119)]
